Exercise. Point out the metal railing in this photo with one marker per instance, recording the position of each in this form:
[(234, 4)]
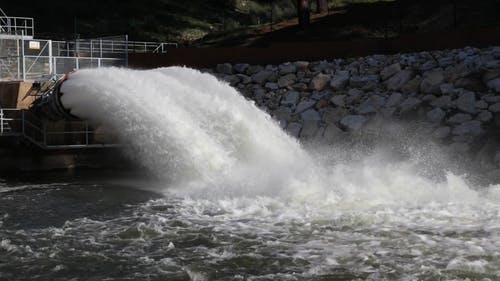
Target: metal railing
[(16, 25), (104, 47), (45, 135)]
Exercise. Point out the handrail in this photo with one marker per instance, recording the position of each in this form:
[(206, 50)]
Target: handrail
[(43, 133)]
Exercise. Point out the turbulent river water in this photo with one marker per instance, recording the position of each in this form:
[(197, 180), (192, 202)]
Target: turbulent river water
[(232, 197)]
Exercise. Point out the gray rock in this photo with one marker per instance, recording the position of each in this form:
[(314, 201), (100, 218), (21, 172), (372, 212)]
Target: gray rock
[(283, 113), (429, 98), (354, 95), (410, 103), (459, 118), (466, 102), (338, 100), (485, 116), (436, 115), (302, 65), (262, 76), (441, 132), (394, 100), (472, 128), (389, 71), (271, 86), (339, 80), (447, 88), (353, 122), (388, 112), (333, 115), (412, 86), (291, 98), (294, 129), (304, 105), (244, 79), (494, 85), (481, 104), (492, 64), (362, 81), (240, 67), (495, 108), (254, 69), (332, 133), (319, 82), (287, 68), (491, 75), (491, 99), (225, 68), (459, 147), (310, 115), (397, 81), (232, 79), (287, 80), (432, 83), (443, 102), (309, 129), (371, 105)]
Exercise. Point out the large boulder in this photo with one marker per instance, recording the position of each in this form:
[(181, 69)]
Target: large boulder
[(466, 102), (436, 115), (494, 85), (262, 76), (294, 129), (394, 100), (287, 68), (371, 105), (241, 68), (225, 68), (319, 82), (398, 80), (287, 80), (362, 81), (432, 82), (389, 71), (304, 105), (291, 98), (340, 80), (309, 129), (338, 101), (409, 104), (443, 102), (353, 122), (459, 118), (495, 108), (472, 128)]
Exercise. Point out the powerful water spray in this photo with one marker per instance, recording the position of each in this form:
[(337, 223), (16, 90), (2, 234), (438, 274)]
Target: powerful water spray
[(188, 127), (198, 132)]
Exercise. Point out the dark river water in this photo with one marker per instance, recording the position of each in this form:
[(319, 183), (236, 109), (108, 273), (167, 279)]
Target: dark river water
[(102, 229)]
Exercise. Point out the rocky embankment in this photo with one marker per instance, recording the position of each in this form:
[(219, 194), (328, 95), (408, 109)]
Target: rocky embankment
[(453, 94)]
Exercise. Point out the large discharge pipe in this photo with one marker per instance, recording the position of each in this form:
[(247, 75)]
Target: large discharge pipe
[(50, 105)]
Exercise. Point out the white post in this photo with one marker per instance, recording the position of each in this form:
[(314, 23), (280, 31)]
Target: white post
[(18, 61), (54, 65), (22, 52), (51, 68), (1, 121)]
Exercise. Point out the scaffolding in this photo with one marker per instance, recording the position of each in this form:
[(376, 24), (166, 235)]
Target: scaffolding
[(24, 58)]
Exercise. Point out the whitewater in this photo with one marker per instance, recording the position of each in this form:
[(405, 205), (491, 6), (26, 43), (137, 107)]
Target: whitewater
[(236, 198)]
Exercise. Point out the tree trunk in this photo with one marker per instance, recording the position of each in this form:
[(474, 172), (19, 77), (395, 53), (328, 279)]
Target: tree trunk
[(322, 6), (303, 13)]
